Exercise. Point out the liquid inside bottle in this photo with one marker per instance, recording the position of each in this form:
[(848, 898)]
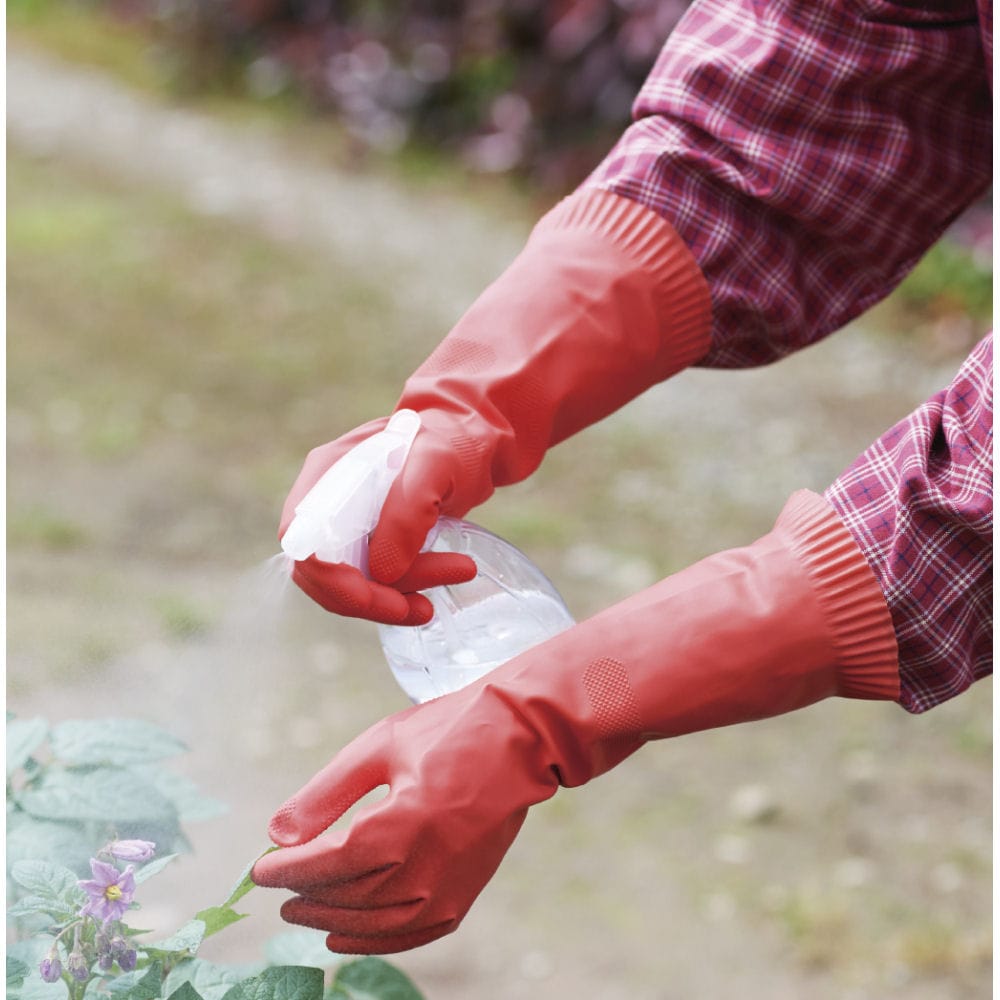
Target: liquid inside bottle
[(509, 607)]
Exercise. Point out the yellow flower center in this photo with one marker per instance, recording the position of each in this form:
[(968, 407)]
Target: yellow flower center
[(113, 893)]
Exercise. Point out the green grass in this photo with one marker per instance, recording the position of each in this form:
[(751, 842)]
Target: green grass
[(154, 305), (85, 34), (181, 617), (37, 526), (948, 281)]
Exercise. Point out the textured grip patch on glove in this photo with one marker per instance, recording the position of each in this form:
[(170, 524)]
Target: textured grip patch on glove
[(524, 402), (290, 826), (387, 561), (616, 712), (477, 484), (458, 354)]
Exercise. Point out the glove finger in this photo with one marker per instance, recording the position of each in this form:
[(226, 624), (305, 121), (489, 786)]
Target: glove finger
[(363, 921), (323, 865), (358, 769), (343, 590), (347, 938), (421, 610), (436, 569), (360, 863), (369, 890), (410, 510)]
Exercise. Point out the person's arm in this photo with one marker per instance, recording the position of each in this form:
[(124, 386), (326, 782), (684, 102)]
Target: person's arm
[(919, 504), (783, 174), (808, 154)]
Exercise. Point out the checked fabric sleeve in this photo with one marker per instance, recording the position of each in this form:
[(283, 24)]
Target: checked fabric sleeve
[(808, 154), (919, 502)]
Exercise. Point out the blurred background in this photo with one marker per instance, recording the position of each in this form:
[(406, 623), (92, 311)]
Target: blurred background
[(233, 230)]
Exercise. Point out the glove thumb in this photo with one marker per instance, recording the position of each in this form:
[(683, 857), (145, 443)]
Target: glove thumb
[(350, 776), (411, 509)]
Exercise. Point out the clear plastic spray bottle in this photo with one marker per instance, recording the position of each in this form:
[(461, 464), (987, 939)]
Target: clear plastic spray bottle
[(506, 609)]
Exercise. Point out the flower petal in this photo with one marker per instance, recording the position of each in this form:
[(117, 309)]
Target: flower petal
[(94, 907), (103, 872), (132, 850), (126, 882)]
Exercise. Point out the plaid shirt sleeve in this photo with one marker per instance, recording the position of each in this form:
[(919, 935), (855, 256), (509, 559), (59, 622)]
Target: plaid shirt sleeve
[(919, 502), (808, 154)]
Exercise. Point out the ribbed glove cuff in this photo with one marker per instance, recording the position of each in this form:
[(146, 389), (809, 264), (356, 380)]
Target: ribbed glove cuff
[(679, 288), (849, 595)]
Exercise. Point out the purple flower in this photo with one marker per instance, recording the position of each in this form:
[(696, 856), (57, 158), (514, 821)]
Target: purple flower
[(131, 850), (110, 891), (78, 966), (51, 969), (127, 961)]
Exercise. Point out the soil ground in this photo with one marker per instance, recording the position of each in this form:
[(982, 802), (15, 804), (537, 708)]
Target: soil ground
[(193, 302)]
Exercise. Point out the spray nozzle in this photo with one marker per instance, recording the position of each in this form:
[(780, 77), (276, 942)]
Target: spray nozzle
[(333, 520)]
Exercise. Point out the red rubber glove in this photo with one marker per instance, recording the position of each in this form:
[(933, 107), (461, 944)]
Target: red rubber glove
[(603, 302), (796, 617)]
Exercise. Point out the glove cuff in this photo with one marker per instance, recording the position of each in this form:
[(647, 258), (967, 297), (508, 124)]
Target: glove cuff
[(850, 598), (679, 290)]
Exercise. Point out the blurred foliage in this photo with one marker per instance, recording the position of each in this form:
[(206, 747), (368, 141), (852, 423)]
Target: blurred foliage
[(75, 31), (947, 299), (539, 88), (528, 89), (951, 278)]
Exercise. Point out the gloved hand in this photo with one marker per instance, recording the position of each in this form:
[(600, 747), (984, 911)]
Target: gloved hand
[(391, 595), (603, 302), (796, 617)]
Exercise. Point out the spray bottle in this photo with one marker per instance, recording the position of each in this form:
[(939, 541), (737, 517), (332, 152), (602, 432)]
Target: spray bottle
[(507, 608)]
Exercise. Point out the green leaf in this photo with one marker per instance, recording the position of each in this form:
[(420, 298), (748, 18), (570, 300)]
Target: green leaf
[(372, 979), (191, 804), (30, 839), (30, 951), (126, 982), (112, 741), (188, 939), (111, 795), (59, 911), (245, 883), (24, 737), (284, 982), (209, 980), (17, 972), (153, 868), (185, 992), (46, 880), (149, 986), (218, 918), (35, 988), (300, 947)]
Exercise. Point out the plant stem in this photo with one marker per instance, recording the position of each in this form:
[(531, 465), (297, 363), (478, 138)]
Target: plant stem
[(76, 988)]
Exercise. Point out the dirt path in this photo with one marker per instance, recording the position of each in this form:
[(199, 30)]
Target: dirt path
[(840, 853), (244, 173)]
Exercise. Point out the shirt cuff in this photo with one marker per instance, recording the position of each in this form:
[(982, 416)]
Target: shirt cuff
[(684, 304)]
